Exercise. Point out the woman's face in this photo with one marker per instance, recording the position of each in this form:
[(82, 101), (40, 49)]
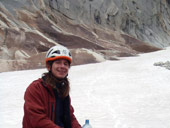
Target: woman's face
[(60, 68)]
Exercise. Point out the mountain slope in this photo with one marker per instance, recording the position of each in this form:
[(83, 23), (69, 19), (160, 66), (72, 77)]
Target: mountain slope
[(112, 28)]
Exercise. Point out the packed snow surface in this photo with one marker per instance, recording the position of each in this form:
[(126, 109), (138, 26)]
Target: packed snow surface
[(129, 93)]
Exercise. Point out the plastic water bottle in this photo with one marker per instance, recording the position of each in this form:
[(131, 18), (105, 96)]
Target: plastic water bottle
[(87, 125)]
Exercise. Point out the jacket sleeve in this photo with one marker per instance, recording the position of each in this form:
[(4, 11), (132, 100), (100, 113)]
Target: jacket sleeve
[(74, 122), (34, 109)]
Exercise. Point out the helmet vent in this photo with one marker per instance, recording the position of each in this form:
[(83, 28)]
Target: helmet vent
[(58, 52), (49, 52), (69, 54)]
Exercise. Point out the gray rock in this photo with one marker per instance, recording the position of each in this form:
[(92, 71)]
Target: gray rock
[(163, 64), (110, 28)]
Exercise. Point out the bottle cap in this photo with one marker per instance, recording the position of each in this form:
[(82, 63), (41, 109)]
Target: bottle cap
[(87, 121)]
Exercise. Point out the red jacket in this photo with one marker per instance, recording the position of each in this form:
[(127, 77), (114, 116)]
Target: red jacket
[(38, 108)]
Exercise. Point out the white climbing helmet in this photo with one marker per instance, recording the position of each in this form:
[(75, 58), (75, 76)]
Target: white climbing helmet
[(58, 52)]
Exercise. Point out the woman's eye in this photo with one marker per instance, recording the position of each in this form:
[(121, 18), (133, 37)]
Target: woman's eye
[(66, 64)]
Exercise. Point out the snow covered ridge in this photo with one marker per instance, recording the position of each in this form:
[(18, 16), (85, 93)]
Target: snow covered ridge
[(163, 64), (130, 93)]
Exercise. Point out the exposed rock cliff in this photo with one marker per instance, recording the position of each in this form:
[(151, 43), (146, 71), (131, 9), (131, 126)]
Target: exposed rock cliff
[(95, 29)]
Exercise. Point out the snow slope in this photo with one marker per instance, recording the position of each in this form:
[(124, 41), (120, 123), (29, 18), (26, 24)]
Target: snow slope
[(130, 93)]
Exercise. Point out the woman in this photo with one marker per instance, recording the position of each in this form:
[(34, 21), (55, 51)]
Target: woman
[(47, 100)]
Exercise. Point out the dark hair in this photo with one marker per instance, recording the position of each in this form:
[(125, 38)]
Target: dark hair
[(63, 91)]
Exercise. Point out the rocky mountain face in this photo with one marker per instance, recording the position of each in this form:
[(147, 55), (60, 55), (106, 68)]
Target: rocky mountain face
[(94, 30)]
